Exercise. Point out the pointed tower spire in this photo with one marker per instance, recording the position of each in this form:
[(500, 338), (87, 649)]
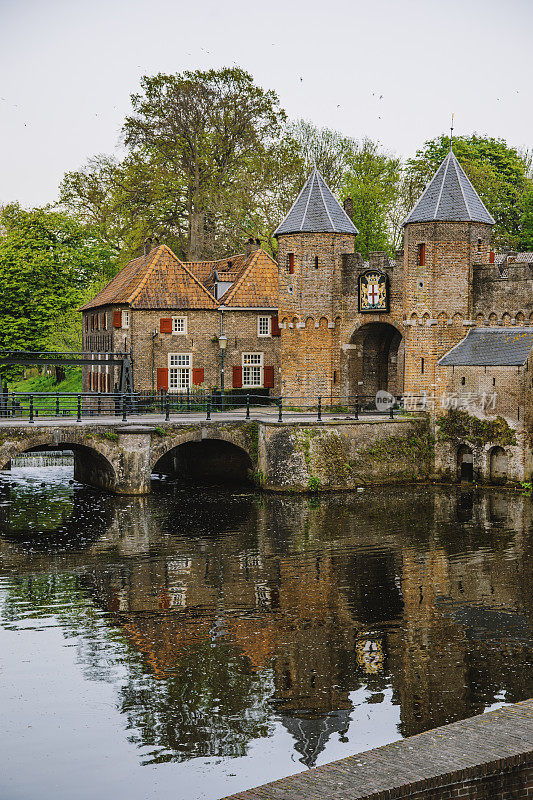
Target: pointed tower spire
[(449, 197), (316, 210)]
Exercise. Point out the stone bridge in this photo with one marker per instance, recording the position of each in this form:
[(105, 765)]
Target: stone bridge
[(290, 456)]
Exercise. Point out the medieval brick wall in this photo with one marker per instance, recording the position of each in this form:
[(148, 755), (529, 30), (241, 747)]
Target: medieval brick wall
[(310, 299), (496, 297), (438, 307)]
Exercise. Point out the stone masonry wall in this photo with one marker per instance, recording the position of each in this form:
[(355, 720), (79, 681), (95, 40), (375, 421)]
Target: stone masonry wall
[(344, 455)]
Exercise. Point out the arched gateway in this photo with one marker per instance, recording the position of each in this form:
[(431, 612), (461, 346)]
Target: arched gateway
[(376, 360)]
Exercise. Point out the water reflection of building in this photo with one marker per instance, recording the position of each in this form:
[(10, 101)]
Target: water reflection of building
[(431, 602)]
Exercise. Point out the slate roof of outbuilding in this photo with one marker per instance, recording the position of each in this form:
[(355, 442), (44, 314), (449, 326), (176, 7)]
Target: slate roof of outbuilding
[(449, 197), (491, 347), (257, 286), (316, 210), (156, 280)]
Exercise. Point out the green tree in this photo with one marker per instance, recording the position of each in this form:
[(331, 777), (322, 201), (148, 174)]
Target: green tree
[(498, 172), (373, 180), (47, 259), (525, 239), (206, 128)]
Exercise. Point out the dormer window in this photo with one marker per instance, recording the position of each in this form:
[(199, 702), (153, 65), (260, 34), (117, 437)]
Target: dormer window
[(421, 255)]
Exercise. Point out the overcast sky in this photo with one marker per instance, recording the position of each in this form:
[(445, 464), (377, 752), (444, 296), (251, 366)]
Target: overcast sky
[(393, 70)]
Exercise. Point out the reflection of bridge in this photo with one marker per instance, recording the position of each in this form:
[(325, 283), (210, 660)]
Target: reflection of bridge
[(298, 454)]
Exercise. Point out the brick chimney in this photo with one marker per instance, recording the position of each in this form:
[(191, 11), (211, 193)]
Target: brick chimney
[(348, 207), (251, 246)]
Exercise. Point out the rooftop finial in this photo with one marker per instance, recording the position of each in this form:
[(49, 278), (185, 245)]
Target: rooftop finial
[(451, 134)]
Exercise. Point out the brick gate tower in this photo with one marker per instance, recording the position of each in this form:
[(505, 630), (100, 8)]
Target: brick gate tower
[(311, 242), (447, 231)]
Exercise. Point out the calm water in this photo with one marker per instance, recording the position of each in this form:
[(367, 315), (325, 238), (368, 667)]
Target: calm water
[(198, 642)]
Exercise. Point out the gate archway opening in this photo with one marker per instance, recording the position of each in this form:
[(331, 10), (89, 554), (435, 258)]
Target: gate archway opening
[(377, 360), (209, 461), (465, 464)]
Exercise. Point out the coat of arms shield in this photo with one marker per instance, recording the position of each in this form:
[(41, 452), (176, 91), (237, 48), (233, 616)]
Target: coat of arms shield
[(373, 292)]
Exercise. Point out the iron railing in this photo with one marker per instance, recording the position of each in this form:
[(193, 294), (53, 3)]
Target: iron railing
[(32, 406)]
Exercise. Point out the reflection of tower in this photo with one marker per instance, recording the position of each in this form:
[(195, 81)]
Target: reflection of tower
[(313, 733), (447, 231), (311, 241)]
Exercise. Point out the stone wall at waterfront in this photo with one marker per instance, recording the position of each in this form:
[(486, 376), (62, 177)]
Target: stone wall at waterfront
[(340, 455)]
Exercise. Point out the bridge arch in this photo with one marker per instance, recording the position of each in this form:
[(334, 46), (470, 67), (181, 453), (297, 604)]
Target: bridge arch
[(220, 458), (91, 465)]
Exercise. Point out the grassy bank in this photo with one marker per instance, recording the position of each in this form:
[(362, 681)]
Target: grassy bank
[(47, 383)]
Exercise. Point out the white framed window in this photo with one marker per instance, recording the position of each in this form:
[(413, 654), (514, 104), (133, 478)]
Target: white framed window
[(125, 319), (179, 325), (264, 326), (179, 371), (252, 369)]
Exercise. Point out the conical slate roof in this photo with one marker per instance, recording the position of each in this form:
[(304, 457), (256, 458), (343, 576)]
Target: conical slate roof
[(316, 211), (449, 197)]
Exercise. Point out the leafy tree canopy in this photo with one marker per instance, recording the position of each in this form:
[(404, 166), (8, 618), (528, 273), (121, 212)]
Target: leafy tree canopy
[(373, 180), (47, 259)]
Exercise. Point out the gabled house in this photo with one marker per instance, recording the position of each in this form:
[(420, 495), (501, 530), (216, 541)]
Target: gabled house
[(174, 316)]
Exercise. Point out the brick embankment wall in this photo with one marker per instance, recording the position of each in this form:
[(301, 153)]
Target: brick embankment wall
[(485, 757)]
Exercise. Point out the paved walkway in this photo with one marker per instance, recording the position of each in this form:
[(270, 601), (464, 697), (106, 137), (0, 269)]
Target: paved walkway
[(194, 417), (481, 740)]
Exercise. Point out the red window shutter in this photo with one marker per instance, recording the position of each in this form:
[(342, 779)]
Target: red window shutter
[(108, 381), (291, 263), (165, 325), (491, 257), (275, 329), (197, 376), (237, 377), (162, 378), (117, 319), (86, 322), (422, 255), (268, 377)]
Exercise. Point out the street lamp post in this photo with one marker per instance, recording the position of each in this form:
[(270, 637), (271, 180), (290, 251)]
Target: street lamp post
[(222, 343)]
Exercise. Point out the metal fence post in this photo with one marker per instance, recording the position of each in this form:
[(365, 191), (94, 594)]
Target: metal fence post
[(247, 406), (188, 399), (78, 417), (167, 409), (208, 407), (280, 410), (319, 409), (99, 406), (57, 405), (356, 408), (124, 418), (31, 408)]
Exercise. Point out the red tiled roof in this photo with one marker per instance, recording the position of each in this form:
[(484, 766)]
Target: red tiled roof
[(257, 286), (156, 280), (159, 280)]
